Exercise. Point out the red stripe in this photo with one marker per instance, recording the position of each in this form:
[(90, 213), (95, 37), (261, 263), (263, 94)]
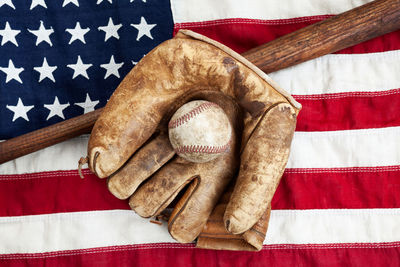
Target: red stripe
[(339, 188), (346, 111), (64, 191), (53, 192), (244, 34), (365, 254)]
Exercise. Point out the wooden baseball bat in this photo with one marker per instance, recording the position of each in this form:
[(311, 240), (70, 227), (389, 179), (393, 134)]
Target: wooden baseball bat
[(344, 30)]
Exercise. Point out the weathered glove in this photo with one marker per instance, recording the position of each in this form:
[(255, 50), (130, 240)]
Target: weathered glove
[(129, 142)]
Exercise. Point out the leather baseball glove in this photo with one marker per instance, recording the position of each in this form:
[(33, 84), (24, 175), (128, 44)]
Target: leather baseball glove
[(129, 143)]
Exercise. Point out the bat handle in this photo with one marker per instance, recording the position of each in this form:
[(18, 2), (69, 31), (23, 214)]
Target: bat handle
[(47, 136)]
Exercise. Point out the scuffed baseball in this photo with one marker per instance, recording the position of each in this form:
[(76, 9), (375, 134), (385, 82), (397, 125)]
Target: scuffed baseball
[(200, 131)]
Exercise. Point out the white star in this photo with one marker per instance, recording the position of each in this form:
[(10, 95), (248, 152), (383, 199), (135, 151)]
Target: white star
[(42, 34), (112, 68), (20, 110), (77, 33), (80, 68), (9, 35), (143, 29), (36, 3), (66, 2), (56, 109), (111, 30), (88, 105), (46, 71), (99, 1), (7, 2), (12, 72)]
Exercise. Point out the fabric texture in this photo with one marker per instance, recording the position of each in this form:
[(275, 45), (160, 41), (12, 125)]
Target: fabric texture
[(338, 202)]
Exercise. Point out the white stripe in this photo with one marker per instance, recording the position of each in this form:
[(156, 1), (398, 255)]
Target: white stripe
[(62, 156), (196, 11), (79, 230), (340, 73), (350, 148), (333, 226), (330, 149)]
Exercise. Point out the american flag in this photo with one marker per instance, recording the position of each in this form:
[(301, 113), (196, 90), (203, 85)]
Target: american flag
[(338, 203)]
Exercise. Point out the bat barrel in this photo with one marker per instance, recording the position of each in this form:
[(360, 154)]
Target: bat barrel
[(344, 30)]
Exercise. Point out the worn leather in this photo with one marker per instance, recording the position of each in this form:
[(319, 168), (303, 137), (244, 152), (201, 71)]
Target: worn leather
[(129, 143), (215, 236)]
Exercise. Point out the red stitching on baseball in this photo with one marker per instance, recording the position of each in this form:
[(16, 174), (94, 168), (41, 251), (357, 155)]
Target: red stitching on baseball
[(188, 149), (187, 116)]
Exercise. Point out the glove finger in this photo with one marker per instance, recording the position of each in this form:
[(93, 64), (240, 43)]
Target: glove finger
[(142, 165), (193, 209), (158, 192), (263, 161)]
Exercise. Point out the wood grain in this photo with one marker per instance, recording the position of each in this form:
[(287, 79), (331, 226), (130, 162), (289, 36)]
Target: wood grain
[(45, 137), (347, 29), (328, 36)]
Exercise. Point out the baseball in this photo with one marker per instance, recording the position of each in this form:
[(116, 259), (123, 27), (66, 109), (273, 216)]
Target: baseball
[(200, 131)]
